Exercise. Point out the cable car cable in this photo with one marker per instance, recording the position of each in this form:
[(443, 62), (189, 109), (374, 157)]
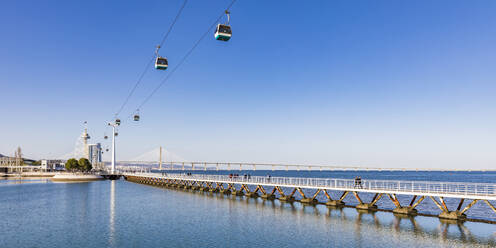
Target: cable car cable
[(185, 56), (172, 25), (148, 65)]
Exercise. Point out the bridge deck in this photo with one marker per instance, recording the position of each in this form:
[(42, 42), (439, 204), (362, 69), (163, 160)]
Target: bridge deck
[(464, 190)]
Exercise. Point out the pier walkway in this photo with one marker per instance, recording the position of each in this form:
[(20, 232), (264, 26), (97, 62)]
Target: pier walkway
[(287, 189)]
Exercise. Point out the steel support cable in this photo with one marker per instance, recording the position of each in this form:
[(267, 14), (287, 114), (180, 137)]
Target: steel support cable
[(185, 57), (172, 24), (149, 63)]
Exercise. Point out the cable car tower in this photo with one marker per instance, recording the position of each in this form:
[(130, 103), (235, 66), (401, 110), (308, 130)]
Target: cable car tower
[(114, 125)]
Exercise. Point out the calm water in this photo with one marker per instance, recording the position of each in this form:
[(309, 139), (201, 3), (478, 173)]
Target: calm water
[(124, 214), (478, 211)]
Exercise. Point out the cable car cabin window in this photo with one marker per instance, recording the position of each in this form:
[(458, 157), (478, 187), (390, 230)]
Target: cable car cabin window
[(161, 61), (224, 29)]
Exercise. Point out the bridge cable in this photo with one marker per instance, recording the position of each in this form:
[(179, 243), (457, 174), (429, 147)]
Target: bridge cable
[(149, 63)]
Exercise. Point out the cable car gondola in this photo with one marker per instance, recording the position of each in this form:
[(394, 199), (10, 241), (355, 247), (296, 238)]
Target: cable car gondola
[(223, 31), (160, 62), (118, 122), (105, 137), (136, 116)]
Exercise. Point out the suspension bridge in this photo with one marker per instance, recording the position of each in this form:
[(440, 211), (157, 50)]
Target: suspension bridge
[(233, 166)]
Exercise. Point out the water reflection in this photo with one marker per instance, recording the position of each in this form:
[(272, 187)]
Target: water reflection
[(22, 180), (112, 214), (425, 230)]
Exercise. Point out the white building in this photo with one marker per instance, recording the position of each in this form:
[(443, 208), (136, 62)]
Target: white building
[(52, 165)]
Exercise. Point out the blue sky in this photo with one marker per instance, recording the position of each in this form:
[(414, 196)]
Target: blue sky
[(371, 83)]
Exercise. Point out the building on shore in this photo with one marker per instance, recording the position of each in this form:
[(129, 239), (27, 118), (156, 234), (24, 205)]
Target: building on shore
[(52, 165), (12, 164), (95, 155)]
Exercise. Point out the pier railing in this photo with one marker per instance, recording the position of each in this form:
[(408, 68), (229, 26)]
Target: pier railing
[(455, 189)]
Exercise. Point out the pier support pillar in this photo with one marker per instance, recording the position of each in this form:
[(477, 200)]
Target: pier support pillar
[(237, 192), (265, 195), (402, 210), (286, 198), (335, 203), (309, 200), (452, 215), (405, 211), (225, 191), (268, 196), (367, 206), (490, 205), (250, 194)]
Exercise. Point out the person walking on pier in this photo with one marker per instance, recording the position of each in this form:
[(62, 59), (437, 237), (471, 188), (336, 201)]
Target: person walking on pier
[(358, 182)]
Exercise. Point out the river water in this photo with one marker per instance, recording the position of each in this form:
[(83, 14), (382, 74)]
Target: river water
[(39, 213)]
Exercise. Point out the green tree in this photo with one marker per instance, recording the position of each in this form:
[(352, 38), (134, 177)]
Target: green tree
[(71, 164), (84, 164)]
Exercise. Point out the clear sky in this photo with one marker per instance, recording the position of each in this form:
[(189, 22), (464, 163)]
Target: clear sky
[(371, 83)]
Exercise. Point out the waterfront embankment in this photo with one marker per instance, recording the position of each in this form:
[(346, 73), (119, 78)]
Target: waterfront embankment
[(28, 175)]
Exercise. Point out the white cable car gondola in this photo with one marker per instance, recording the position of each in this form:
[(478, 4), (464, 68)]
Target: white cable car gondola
[(223, 31), (161, 63)]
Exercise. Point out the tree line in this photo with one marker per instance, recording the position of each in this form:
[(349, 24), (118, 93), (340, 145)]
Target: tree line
[(83, 164)]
